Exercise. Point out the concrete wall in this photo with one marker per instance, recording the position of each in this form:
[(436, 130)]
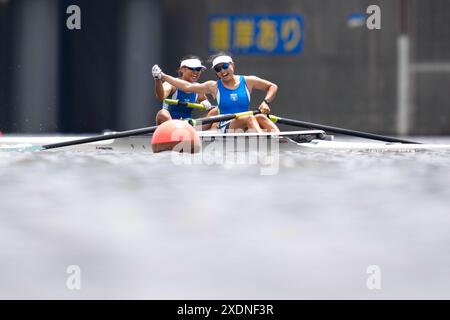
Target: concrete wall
[(99, 77), (344, 77), (28, 65), (106, 66), (430, 96), (5, 106)]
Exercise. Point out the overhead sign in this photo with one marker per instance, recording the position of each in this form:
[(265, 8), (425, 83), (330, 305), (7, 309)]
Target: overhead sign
[(256, 34)]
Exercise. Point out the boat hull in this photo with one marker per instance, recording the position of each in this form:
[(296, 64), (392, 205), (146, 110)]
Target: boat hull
[(211, 142)]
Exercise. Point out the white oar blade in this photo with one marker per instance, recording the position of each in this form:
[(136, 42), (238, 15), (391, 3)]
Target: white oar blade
[(21, 148)]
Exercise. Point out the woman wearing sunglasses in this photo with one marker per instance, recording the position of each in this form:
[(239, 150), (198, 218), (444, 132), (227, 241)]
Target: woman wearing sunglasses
[(232, 93), (190, 70)]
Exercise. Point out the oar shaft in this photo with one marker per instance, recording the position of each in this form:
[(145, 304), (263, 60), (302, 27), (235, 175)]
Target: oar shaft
[(310, 125), (102, 137), (146, 130), (218, 118), (186, 104)]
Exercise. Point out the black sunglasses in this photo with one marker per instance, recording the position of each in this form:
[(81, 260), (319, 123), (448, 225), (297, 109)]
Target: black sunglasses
[(198, 69), (223, 66)]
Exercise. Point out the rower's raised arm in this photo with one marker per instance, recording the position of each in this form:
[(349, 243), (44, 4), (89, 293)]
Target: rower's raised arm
[(204, 88), (208, 87), (163, 90)]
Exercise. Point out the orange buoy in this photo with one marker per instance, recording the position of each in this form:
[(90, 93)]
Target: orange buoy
[(176, 135)]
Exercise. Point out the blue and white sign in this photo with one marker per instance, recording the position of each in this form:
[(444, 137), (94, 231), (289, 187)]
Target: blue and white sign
[(256, 34)]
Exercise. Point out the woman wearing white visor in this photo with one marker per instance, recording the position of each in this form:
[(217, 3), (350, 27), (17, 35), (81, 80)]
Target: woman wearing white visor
[(232, 93), (190, 70)]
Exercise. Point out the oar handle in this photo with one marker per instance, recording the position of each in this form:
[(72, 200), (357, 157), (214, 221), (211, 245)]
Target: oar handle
[(185, 104), (354, 133)]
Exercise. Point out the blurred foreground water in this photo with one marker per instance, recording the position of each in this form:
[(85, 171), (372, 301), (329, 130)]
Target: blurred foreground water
[(141, 227)]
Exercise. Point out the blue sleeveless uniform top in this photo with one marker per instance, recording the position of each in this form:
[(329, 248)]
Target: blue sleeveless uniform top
[(181, 112), (235, 100)]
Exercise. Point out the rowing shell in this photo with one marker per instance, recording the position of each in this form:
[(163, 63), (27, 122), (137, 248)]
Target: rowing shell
[(210, 141), (312, 140)]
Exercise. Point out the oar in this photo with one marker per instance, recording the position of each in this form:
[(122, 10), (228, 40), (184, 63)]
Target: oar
[(124, 134), (310, 125), (186, 104), (212, 119)]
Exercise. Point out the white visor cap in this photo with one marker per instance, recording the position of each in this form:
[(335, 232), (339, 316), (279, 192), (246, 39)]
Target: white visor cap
[(221, 59), (192, 63)]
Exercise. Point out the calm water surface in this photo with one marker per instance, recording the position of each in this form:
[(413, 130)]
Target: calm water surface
[(141, 227)]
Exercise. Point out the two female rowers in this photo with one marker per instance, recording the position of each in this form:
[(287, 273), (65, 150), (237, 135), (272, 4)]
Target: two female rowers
[(232, 93)]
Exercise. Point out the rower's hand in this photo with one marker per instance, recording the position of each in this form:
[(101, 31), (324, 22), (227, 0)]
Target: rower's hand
[(156, 72), (207, 104), (264, 108)]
